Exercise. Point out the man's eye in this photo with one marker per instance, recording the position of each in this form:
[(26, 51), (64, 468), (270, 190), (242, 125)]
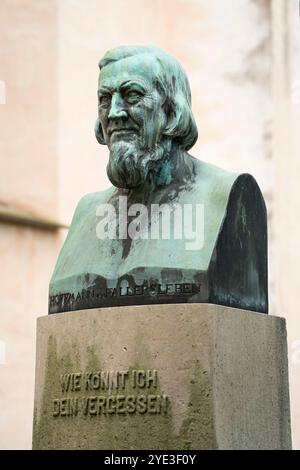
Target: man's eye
[(133, 97), (104, 100)]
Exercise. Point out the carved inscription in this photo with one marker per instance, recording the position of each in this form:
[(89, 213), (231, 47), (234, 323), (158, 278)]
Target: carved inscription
[(133, 291), (110, 393)]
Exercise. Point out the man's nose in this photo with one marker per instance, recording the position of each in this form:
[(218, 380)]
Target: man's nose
[(117, 107)]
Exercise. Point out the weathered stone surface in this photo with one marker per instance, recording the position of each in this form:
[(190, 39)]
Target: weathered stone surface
[(216, 380)]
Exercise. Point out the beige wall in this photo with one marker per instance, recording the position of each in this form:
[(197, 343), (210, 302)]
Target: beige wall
[(28, 120), (286, 156), (242, 60), (29, 185)]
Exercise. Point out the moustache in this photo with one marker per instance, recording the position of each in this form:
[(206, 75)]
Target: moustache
[(121, 128)]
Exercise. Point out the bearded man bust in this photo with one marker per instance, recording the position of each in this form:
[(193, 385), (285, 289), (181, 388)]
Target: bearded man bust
[(172, 228)]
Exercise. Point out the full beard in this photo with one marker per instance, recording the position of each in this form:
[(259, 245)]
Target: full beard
[(129, 164)]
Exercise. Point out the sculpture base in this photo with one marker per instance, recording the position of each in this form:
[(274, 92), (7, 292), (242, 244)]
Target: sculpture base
[(183, 376)]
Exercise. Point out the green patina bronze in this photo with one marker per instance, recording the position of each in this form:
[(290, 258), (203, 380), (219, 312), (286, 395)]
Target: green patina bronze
[(145, 119)]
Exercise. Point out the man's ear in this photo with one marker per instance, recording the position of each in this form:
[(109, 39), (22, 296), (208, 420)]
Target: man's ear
[(169, 109), (171, 117), (179, 117), (99, 132)]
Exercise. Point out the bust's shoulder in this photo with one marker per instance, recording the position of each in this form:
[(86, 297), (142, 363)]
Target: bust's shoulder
[(212, 174), (220, 182), (90, 200), (87, 205)]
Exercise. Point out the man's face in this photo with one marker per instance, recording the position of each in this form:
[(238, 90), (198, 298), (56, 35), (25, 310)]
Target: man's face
[(132, 118), (130, 106)]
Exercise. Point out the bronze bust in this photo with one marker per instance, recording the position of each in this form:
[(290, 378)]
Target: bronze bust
[(172, 228)]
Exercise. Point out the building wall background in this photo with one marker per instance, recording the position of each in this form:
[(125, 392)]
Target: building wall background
[(243, 61)]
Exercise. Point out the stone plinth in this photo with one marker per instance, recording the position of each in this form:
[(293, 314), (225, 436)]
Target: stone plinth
[(187, 376)]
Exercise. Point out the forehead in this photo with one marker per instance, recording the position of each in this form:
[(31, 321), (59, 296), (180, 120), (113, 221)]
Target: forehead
[(143, 67)]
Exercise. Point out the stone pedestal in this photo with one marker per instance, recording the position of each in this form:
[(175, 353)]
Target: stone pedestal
[(184, 376)]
